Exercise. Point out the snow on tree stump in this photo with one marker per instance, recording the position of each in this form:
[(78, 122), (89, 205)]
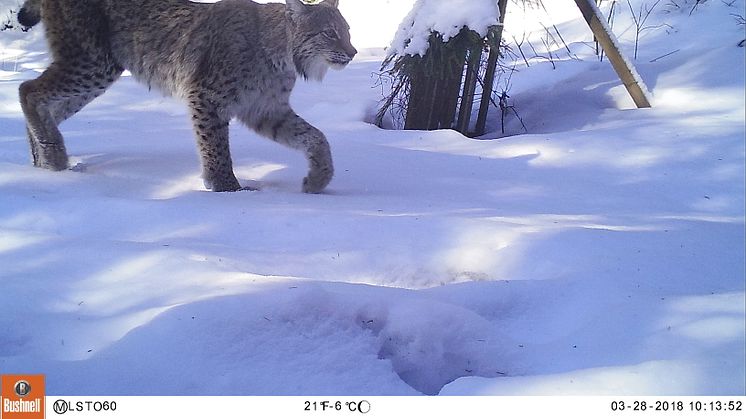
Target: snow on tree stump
[(437, 59)]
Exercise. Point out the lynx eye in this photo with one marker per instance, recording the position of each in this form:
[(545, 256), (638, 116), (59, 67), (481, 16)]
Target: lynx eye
[(330, 34)]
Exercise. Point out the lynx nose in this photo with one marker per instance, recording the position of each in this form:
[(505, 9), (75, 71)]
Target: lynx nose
[(350, 51)]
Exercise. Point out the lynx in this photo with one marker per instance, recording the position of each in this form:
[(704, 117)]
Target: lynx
[(231, 59)]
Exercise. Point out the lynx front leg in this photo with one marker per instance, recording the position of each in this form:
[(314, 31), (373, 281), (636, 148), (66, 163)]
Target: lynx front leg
[(214, 149), (291, 130)]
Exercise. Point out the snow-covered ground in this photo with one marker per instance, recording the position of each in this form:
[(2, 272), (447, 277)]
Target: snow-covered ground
[(600, 253)]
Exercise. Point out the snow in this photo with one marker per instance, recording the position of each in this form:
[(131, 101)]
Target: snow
[(600, 253), (445, 18)]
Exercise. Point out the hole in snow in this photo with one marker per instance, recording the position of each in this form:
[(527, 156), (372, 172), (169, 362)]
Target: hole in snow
[(430, 344)]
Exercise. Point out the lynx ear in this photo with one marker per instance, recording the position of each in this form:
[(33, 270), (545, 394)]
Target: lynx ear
[(333, 3)]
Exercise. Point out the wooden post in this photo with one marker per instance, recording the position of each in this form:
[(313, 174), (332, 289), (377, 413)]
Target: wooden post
[(489, 76), (470, 86), (451, 90), (434, 93), (416, 111), (624, 68)]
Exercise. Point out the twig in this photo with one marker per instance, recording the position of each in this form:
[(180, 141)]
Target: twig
[(521, 49), (695, 6), (640, 18), (664, 55)]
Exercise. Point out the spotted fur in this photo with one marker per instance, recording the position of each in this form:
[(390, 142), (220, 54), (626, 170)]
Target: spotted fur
[(231, 59)]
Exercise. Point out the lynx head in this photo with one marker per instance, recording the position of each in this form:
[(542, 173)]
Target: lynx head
[(320, 37)]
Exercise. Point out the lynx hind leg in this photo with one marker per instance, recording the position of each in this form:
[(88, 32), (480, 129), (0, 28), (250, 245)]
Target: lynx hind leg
[(60, 92), (289, 129), (211, 131), (47, 146)]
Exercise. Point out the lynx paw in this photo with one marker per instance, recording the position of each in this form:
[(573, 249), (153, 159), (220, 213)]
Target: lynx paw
[(315, 183), (223, 185), (321, 169), (54, 162)]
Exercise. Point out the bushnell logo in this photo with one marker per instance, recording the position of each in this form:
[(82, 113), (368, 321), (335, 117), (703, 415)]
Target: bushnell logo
[(22, 397)]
